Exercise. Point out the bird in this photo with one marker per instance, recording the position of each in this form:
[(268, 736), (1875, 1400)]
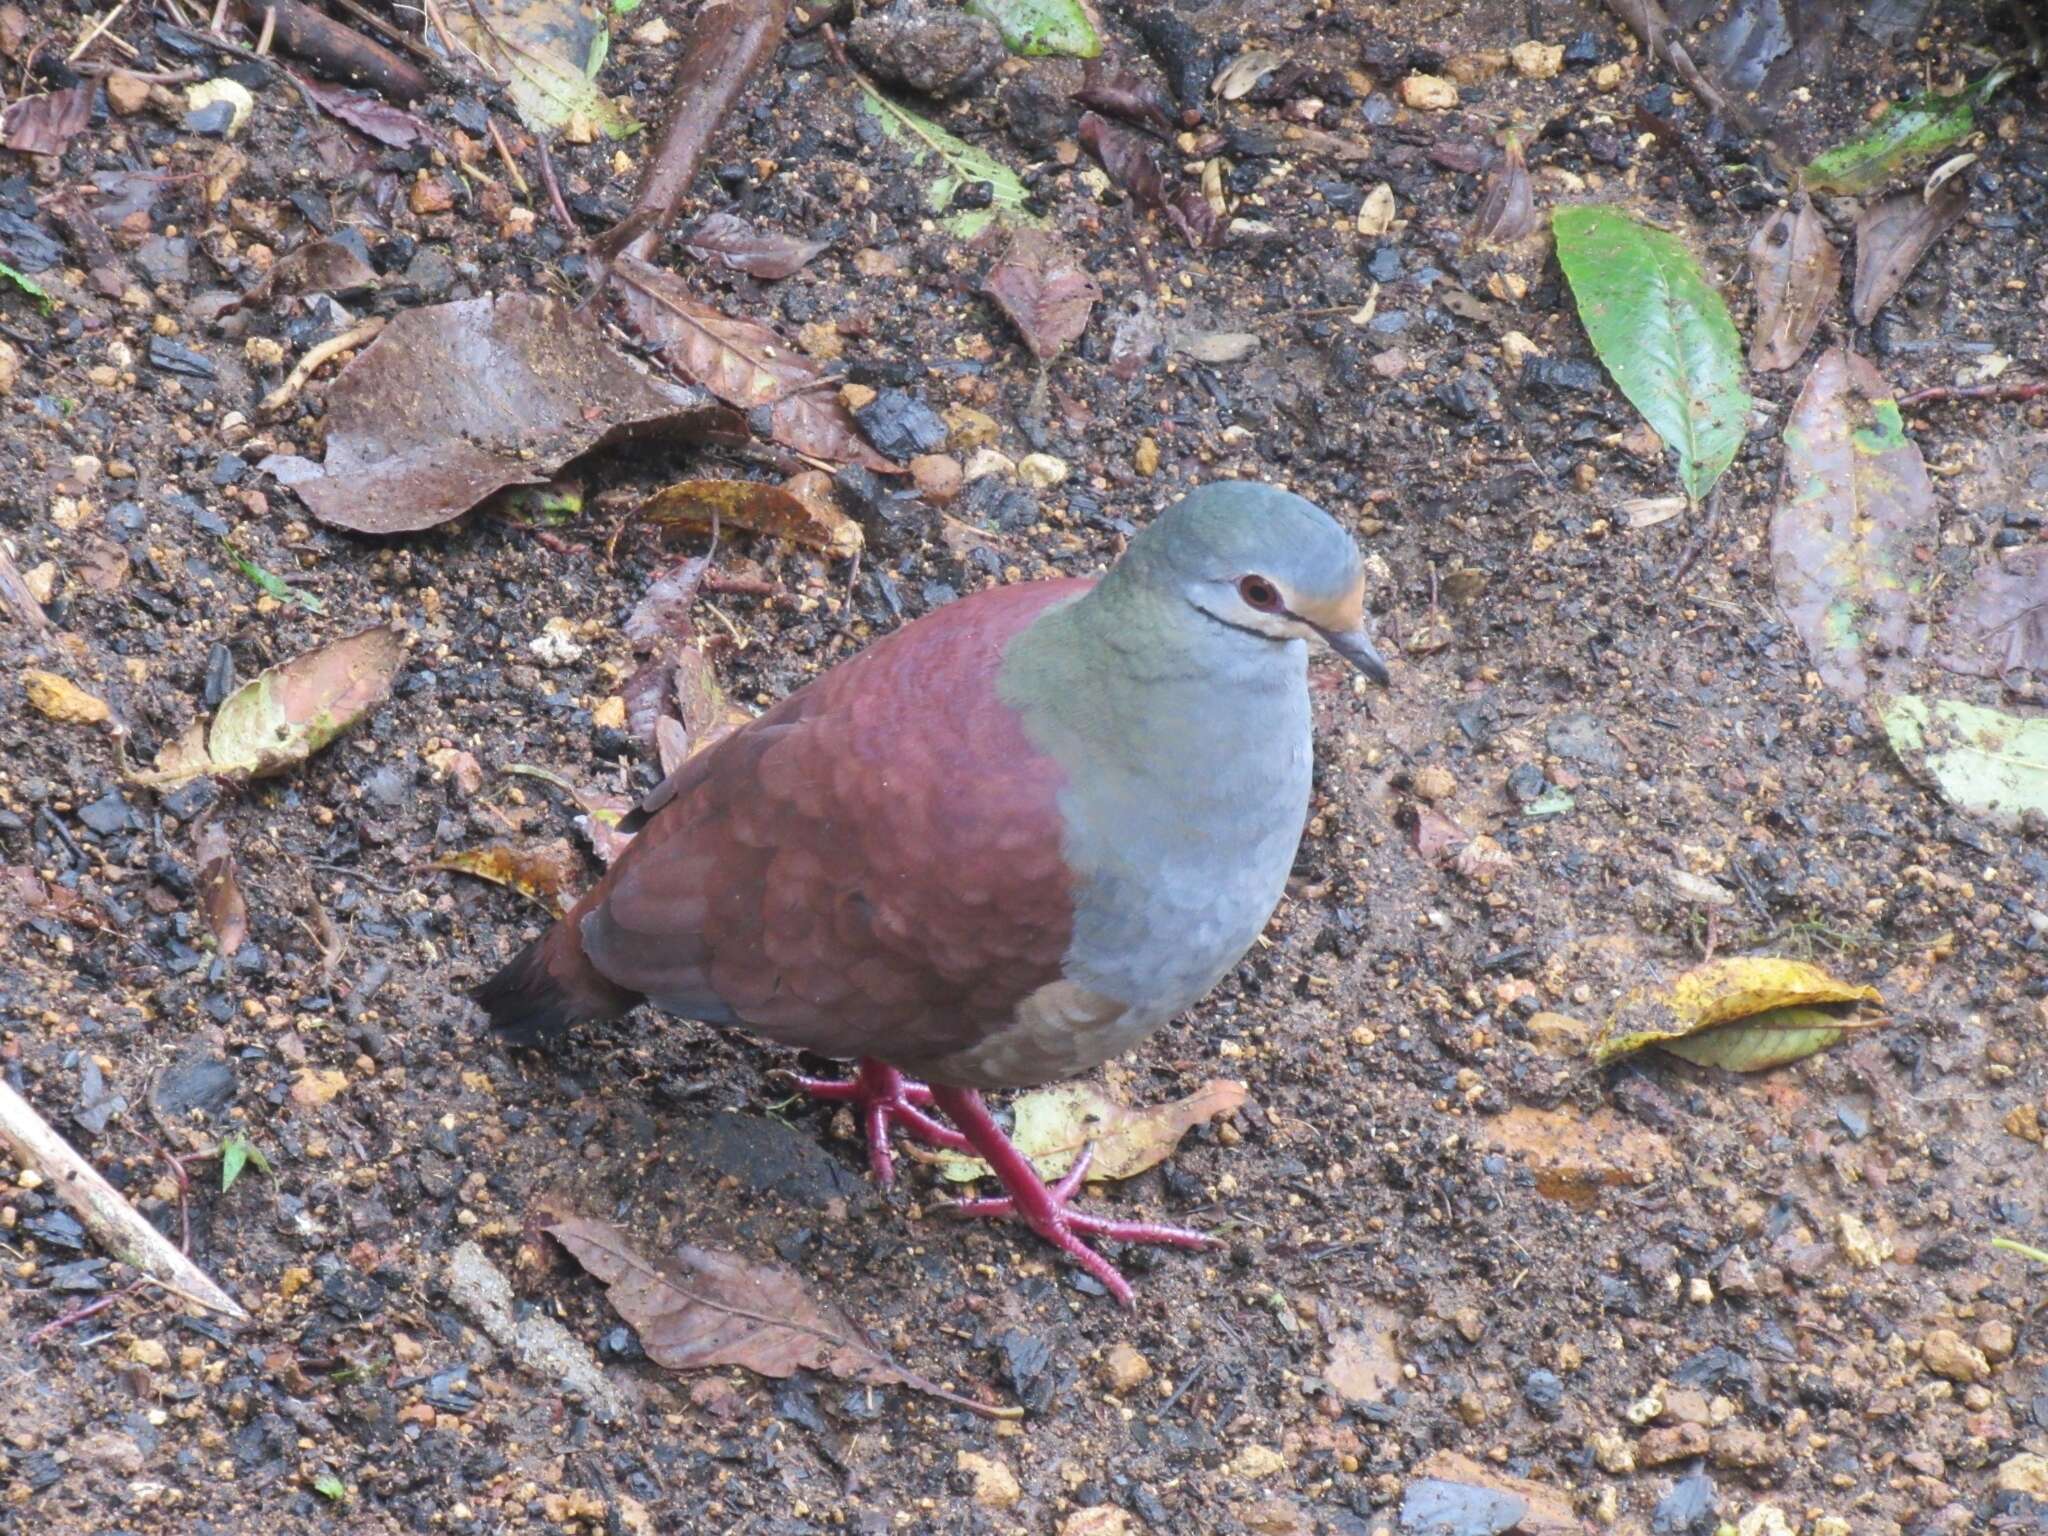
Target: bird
[(994, 849)]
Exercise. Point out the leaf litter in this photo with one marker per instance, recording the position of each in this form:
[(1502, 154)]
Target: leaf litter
[(547, 873), (1999, 627), (1747, 1013), (702, 1307), (1984, 761), (1910, 133), (1891, 237), (1044, 292), (1853, 527), (757, 507), (1796, 272), (1053, 1126)]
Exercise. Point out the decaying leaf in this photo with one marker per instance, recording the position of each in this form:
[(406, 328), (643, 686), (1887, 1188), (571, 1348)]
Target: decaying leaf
[(547, 53), (283, 716), (367, 113), (1234, 81), (1796, 271), (1044, 292), (959, 164), (1436, 834), (1036, 28), (1137, 339), (220, 892), (2000, 625), (756, 507), (1129, 96), (1376, 211), (741, 361), (732, 242), (601, 814), (1745, 1013), (1891, 237), (1983, 761), (453, 402), (1910, 133), (1855, 514), (59, 699), (1130, 161), (817, 424), (1662, 331), (703, 1307), (1051, 1126), (1507, 209), (547, 873), (43, 125)]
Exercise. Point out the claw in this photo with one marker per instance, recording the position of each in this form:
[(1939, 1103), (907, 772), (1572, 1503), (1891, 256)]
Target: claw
[(884, 1098)]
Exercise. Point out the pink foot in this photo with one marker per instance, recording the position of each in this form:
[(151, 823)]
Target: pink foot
[(882, 1096), (1045, 1209)]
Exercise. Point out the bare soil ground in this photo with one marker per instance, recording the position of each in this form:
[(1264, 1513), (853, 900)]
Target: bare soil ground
[(1664, 1295)]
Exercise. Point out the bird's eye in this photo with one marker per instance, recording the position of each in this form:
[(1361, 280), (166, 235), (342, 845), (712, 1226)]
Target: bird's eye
[(1259, 593)]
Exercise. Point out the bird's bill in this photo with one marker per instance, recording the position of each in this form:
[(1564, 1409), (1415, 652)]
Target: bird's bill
[(1356, 647)]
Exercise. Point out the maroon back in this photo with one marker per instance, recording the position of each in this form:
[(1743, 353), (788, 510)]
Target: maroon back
[(873, 867)]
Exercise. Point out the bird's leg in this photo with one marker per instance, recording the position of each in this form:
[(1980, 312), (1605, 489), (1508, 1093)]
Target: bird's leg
[(1045, 1209), (883, 1097)]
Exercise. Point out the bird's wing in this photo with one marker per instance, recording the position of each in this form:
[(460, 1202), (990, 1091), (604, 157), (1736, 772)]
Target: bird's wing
[(873, 867)]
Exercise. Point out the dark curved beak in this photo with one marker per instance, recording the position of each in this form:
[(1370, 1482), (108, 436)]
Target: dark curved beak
[(1356, 647)]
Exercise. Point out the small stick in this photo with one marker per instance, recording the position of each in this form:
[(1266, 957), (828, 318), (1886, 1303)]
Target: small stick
[(505, 154), (2001, 392), (310, 364), (146, 76), (1698, 546), (547, 174), (94, 31), (118, 1226), (269, 31)]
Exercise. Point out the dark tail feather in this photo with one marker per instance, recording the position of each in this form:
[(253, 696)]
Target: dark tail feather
[(548, 986)]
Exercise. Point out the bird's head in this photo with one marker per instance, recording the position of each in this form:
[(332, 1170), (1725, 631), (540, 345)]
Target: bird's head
[(1265, 562)]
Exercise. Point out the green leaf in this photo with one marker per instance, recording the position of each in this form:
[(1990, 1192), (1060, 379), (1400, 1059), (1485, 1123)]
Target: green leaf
[(1911, 132), (1983, 761), (29, 286), (547, 53), (1663, 332), (1037, 27), (961, 163), (276, 585), (1552, 802), (1760, 1042), (328, 1486), (236, 1153)]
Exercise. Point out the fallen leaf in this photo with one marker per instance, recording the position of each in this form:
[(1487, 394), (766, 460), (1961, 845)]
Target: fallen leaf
[(1546, 1508), (1855, 510), (1376, 211), (1051, 1126), (1436, 834), (1663, 333), (454, 402), (1044, 292), (757, 507), (730, 241), (703, 1307), (742, 362), (1129, 96), (220, 893), (59, 699), (1131, 163), (368, 113), (317, 266), (284, 715), (817, 424), (1796, 271), (43, 125), (1037, 28), (547, 54), (1649, 511), (663, 612), (601, 814), (61, 902), (547, 873), (1910, 133), (1364, 1364), (1234, 81), (961, 164), (2000, 625), (1507, 209), (1891, 237), (1983, 761), (1760, 1011), (1218, 347)]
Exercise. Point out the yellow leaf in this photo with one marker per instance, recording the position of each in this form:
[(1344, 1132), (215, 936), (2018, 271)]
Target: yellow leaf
[(1765, 995), (1051, 1126)]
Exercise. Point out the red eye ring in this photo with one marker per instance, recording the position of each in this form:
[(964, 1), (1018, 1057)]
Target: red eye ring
[(1260, 593)]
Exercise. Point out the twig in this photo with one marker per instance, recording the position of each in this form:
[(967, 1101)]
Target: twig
[(79, 1314), (146, 76), (505, 154), (311, 363), (92, 32), (397, 35), (338, 50), (1699, 545), (2000, 392), (728, 46), (547, 174), (269, 32), (118, 1226)]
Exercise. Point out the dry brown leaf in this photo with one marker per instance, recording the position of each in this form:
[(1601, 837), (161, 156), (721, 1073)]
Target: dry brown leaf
[(729, 241), (1796, 271), (1891, 237), (742, 362), (547, 873), (757, 507), (2000, 625), (1044, 292), (220, 893), (1436, 834), (1507, 209), (816, 423), (704, 1307)]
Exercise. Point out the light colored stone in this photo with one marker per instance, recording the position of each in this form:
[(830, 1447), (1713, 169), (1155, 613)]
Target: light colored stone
[(938, 477), (856, 396), (1995, 1337), (1516, 349), (430, 195), (2025, 1473), (1102, 1520), (1123, 1369), (1607, 78), (1146, 459), (990, 461), (149, 1352), (1276, 1516), (1672, 1442), (316, 1086), (41, 581), (1748, 1449), (1433, 784), (652, 34), (610, 714), (1041, 471), (1765, 1520), (556, 645), (10, 367), (126, 94), (968, 429), (1612, 1449), (1428, 93), (995, 1485), (1947, 1354), (1537, 61), (240, 103), (1255, 1463), (1471, 68), (1860, 1246), (59, 699)]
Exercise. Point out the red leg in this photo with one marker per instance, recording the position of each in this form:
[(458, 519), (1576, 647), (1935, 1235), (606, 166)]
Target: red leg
[(883, 1096), (1046, 1210)]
